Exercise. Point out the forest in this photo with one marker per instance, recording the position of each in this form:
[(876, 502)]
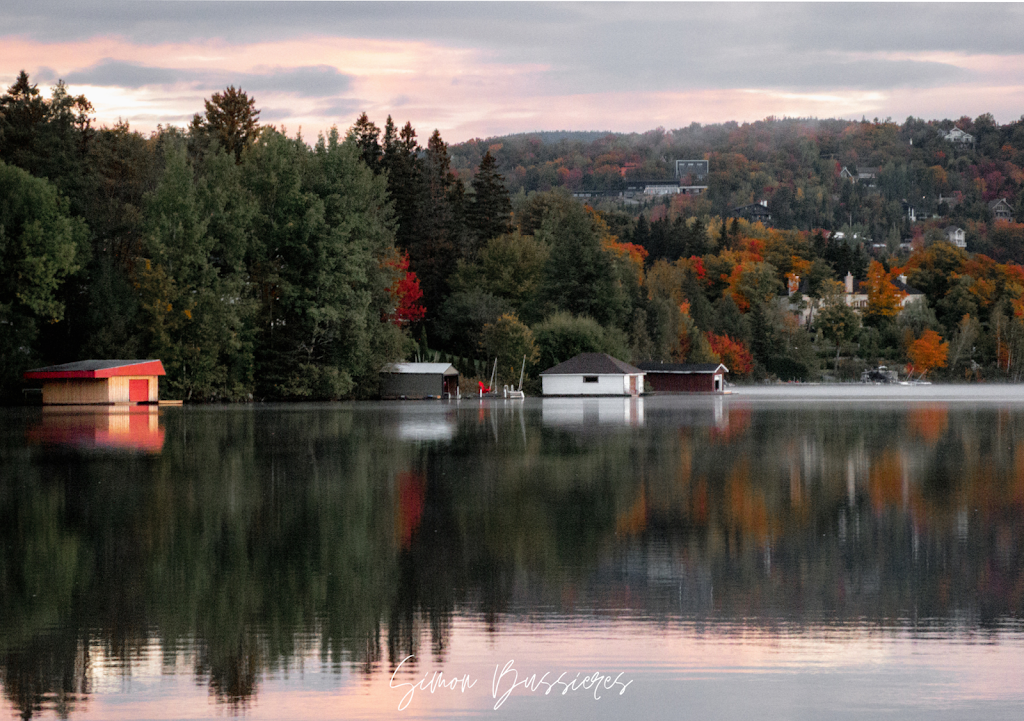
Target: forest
[(262, 266)]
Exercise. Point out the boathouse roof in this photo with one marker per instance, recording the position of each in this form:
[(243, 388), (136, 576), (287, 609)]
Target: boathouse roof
[(98, 369), (592, 364)]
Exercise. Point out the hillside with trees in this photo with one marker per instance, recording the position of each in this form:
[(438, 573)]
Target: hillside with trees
[(263, 266)]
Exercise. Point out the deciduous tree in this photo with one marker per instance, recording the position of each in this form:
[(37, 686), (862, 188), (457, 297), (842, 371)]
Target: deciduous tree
[(928, 352), (40, 245)]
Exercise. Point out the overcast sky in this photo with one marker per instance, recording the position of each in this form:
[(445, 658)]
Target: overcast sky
[(483, 69)]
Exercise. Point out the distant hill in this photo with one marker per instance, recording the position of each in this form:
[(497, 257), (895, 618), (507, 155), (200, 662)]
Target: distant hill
[(554, 136), (801, 167)]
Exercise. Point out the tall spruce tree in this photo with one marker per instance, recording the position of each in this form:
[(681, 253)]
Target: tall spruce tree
[(367, 138), (490, 212), (405, 182), (433, 254)]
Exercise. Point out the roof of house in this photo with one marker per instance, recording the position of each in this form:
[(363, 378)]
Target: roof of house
[(592, 363), (994, 203), (753, 208), (909, 290), (951, 229), (98, 369), (446, 369), (657, 367), (860, 287)]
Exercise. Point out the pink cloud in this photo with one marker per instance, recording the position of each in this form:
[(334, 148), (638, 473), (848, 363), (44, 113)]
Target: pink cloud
[(466, 92)]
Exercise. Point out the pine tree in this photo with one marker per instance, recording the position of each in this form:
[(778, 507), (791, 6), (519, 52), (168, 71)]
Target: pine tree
[(434, 251), (490, 213), (232, 119), (405, 182), (367, 137)]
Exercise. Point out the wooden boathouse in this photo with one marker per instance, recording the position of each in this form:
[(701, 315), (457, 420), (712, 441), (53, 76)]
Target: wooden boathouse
[(419, 380), (685, 377), (99, 382)]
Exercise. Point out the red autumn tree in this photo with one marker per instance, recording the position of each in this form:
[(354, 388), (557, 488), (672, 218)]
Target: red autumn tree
[(733, 353), (406, 293)]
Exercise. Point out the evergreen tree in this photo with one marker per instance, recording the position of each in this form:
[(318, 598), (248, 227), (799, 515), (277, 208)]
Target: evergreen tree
[(194, 296), (324, 232), (22, 112), (433, 252), (231, 119), (642, 235), (580, 276), (367, 138), (47, 137), (405, 182), (490, 212)]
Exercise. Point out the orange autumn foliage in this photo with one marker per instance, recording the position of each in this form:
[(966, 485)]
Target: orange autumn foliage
[(630, 253), (928, 352), (929, 423), (634, 520), (885, 482), (884, 299)]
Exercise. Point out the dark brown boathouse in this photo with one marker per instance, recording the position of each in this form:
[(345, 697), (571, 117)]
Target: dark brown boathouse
[(684, 377), (99, 382), (419, 380)]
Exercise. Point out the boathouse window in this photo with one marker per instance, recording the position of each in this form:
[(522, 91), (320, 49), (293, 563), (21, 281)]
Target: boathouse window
[(590, 379)]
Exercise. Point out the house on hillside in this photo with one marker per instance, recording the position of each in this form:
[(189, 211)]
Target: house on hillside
[(1001, 209), (661, 187), (755, 212), (684, 377), (956, 236), (864, 175), (695, 170), (856, 296), (958, 136), (99, 382), (857, 292), (592, 374)]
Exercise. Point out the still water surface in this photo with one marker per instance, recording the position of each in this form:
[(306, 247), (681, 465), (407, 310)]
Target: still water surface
[(781, 553)]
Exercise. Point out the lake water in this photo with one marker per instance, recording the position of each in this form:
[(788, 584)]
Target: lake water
[(804, 552)]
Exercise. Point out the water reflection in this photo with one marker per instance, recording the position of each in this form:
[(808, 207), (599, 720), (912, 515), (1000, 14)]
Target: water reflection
[(111, 428), (361, 534), (592, 412)]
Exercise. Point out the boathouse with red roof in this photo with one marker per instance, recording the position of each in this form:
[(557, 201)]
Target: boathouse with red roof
[(99, 382)]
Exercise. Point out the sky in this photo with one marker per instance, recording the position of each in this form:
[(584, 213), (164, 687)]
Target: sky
[(487, 69)]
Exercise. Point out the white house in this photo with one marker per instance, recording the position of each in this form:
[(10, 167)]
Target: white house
[(1001, 209), (592, 374), (857, 292), (957, 236), (956, 135)]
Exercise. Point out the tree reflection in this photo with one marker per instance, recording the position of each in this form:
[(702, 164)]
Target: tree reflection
[(259, 537)]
